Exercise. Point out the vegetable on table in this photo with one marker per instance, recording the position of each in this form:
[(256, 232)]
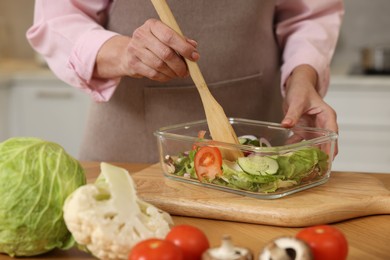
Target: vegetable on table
[(190, 239), (156, 249), (227, 251), (36, 176), (325, 241), (286, 248), (107, 218)]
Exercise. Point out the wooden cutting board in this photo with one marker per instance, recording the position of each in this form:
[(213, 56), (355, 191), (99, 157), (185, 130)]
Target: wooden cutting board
[(345, 196)]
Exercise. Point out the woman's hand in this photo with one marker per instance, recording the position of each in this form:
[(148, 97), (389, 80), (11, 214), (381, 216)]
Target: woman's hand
[(154, 51), (304, 106)]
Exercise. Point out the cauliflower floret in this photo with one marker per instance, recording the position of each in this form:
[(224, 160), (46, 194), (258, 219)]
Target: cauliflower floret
[(108, 219)]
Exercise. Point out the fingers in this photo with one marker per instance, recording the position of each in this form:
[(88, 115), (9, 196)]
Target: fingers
[(170, 38), (330, 123), (320, 115), (146, 63), (156, 52), (331, 120), (165, 58), (139, 69), (293, 114), (192, 42)]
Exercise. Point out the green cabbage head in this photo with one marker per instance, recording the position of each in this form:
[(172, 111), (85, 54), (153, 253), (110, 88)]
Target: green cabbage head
[(36, 177)]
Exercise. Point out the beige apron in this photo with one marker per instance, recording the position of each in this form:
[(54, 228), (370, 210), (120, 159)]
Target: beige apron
[(240, 61)]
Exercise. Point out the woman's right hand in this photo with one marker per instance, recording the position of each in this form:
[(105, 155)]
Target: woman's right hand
[(154, 51)]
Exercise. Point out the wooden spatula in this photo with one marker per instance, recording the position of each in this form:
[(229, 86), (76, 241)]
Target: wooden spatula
[(219, 126)]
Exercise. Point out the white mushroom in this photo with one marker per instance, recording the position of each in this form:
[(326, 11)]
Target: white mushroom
[(227, 251), (286, 248)]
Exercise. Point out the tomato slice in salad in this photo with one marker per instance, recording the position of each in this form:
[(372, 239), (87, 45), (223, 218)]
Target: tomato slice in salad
[(208, 163)]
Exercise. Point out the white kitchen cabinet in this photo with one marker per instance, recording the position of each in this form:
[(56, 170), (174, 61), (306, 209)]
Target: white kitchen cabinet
[(47, 108), (362, 104)]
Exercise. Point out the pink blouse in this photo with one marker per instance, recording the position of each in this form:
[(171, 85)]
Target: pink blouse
[(306, 30)]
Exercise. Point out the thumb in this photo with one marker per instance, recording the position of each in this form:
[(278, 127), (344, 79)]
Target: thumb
[(293, 114)]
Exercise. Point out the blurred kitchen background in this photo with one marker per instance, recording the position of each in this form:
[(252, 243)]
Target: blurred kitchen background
[(33, 102)]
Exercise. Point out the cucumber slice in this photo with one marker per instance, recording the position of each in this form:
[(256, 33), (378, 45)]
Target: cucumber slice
[(258, 165)]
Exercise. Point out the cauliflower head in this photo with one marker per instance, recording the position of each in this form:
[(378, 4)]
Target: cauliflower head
[(107, 218)]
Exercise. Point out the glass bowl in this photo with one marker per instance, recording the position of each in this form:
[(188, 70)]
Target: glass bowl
[(270, 161)]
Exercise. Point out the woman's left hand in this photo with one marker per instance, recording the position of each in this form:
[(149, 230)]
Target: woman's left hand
[(304, 106)]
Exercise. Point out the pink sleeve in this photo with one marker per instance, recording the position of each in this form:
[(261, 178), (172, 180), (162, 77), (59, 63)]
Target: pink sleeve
[(307, 31), (69, 35)]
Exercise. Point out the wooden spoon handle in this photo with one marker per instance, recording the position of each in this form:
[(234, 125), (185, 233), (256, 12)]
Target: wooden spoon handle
[(219, 125)]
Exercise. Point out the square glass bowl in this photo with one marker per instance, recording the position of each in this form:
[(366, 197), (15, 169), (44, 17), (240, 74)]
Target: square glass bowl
[(270, 161)]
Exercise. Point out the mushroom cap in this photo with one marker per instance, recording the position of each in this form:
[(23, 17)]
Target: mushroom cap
[(227, 251), (286, 248)]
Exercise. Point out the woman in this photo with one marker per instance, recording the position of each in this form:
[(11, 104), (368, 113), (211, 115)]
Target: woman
[(255, 56)]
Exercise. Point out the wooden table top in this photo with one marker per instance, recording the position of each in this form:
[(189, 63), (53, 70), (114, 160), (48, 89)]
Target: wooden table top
[(368, 237)]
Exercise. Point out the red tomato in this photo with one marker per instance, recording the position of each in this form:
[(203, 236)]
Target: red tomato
[(208, 162), (191, 240), (325, 241), (155, 249)]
